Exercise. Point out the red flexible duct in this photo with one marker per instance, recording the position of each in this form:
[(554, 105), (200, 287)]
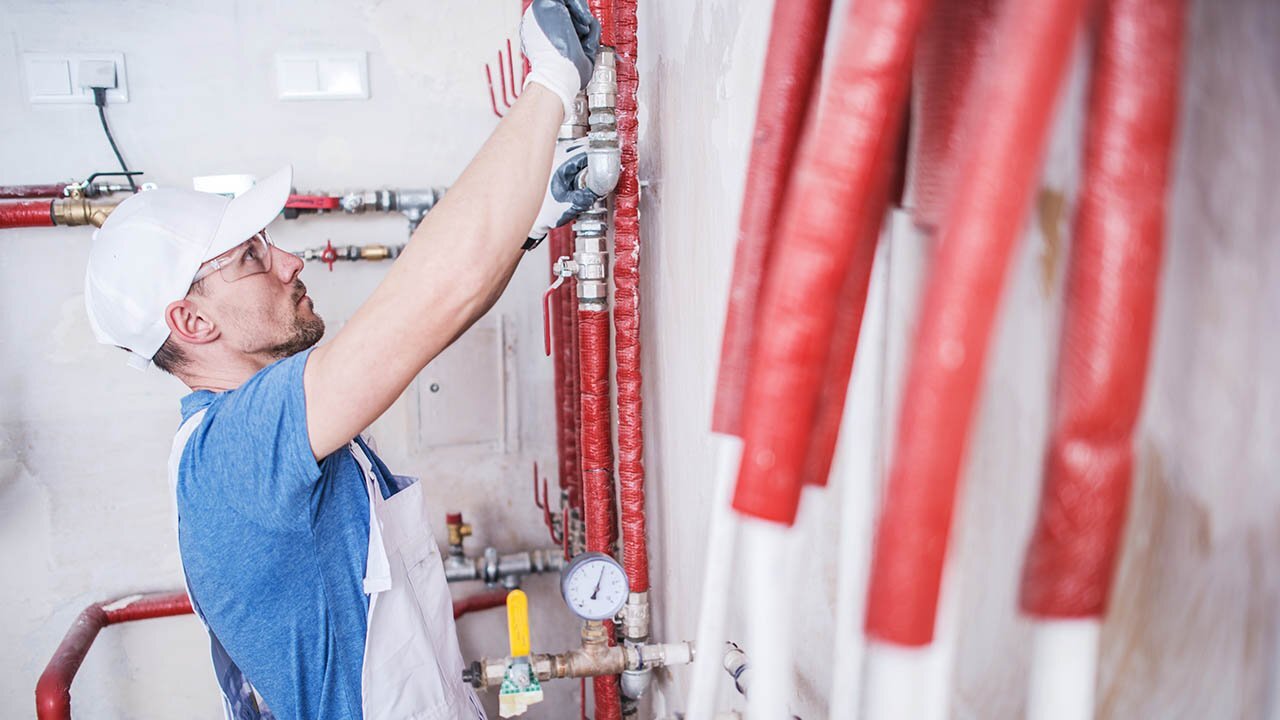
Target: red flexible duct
[(986, 215), (626, 311), (1111, 297), (603, 10), (597, 468), (27, 213), (20, 192), (53, 690), (954, 41), (837, 191), (791, 69)]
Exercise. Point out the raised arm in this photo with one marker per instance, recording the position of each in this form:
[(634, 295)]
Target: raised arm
[(464, 252)]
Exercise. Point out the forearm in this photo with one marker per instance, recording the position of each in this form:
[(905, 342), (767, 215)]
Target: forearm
[(455, 267)]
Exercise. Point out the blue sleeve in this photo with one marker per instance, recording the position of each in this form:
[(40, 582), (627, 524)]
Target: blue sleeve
[(252, 450)]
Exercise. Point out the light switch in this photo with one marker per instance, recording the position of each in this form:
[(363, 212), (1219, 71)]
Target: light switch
[(55, 77), (322, 76)]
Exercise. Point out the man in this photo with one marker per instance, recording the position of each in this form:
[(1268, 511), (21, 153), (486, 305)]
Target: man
[(312, 566)]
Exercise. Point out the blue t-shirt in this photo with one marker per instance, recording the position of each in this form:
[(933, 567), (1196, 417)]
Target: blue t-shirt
[(274, 545)]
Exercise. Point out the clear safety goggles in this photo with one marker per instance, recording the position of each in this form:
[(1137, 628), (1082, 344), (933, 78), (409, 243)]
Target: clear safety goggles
[(250, 257)]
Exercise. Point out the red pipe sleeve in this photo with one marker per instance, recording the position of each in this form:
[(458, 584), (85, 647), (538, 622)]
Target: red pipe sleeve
[(1111, 298), (53, 690), (986, 215), (626, 310), (792, 62), (559, 357), (955, 40), (27, 213), (19, 192), (597, 467), (838, 189), (603, 10), (576, 494)]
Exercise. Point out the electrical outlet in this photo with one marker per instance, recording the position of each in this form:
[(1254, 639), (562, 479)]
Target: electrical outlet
[(67, 78)]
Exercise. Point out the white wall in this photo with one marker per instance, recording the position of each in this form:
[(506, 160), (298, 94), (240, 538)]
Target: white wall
[(84, 514)]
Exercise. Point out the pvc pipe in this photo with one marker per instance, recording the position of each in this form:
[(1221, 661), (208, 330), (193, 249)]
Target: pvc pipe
[(791, 68), (717, 580), (765, 554), (19, 192), (26, 213), (837, 191), (1064, 669), (986, 215), (1111, 294), (626, 310), (954, 42)]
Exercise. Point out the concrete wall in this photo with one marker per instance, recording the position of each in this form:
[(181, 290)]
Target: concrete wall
[(83, 514)]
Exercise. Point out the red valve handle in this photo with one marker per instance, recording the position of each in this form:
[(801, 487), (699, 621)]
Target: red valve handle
[(329, 256)]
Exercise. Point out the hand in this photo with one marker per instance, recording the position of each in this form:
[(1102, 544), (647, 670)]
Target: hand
[(564, 199), (560, 38)]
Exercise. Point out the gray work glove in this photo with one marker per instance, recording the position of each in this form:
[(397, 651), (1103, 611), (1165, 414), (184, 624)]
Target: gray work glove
[(564, 199), (560, 38)]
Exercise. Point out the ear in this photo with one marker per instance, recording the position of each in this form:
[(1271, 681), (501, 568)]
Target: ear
[(187, 323)]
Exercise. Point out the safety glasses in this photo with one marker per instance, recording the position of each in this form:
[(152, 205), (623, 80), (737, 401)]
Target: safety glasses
[(250, 257)]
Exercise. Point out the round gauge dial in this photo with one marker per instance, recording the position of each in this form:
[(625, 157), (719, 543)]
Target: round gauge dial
[(594, 586)]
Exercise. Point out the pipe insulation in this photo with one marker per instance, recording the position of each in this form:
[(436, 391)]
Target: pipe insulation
[(17, 192), (626, 309), (566, 369), (603, 10), (837, 190), (954, 42), (597, 467), (1111, 294), (986, 214), (26, 213), (791, 69)]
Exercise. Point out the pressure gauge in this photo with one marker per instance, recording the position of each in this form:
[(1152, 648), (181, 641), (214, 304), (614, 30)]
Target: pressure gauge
[(594, 586)]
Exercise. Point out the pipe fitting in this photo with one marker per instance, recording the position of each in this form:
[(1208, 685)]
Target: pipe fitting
[(492, 568), (595, 657), (635, 617), (591, 255), (736, 664), (604, 154), (81, 211), (575, 123)]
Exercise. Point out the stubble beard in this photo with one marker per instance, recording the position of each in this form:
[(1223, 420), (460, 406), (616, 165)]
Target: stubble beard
[(304, 332)]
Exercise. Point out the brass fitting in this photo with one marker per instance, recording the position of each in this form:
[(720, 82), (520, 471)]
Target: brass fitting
[(81, 211), (457, 531)]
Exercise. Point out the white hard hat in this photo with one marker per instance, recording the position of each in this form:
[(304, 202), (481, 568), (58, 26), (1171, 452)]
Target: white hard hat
[(146, 253)]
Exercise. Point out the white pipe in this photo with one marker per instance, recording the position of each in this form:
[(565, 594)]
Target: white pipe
[(857, 478), (765, 551), (1064, 669), (717, 575)]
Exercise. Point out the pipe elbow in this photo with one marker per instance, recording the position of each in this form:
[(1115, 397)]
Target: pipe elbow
[(604, 167)]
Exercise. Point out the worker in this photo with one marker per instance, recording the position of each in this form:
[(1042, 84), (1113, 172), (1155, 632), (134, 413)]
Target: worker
[(312, 566)]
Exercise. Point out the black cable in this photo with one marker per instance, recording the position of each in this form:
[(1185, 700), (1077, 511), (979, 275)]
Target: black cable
[(100, 99)]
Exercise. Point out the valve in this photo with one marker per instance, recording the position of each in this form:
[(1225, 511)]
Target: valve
[(520, 687), (329, 256), (458, 531)]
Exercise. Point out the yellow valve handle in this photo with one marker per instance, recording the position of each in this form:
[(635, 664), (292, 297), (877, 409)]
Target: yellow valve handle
[(518, 622)]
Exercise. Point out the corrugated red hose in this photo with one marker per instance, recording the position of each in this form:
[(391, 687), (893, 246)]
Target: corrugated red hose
[(985, 216), (560, 245), (838, 189), (792, 63), (28, 213), (603, 10), (1111, 297)]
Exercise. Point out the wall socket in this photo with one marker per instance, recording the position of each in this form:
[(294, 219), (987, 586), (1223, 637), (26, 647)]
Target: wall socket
[(60, 78)]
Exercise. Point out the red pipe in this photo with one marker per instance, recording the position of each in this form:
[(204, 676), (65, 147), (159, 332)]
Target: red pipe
[(603, 10), (792, 62), (26, 213), (954, 42), (985, 216), (576, 494), (1111, 298), (53, 690), (626, 311), (20, 192), (559, 356), (597, 468), (838, 190), (479, 601)]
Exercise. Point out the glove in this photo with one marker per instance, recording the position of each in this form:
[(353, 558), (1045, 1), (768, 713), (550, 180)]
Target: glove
[(564, 200), (560, 38)]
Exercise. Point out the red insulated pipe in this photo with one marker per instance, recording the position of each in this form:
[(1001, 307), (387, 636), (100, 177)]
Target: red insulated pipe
[(603, 10), (576, 494), (837, 191), (986, 215), (1111, 298), (792, 62), (559, 356), (53, 690), (626, 310), (21, 192), (480, 601), (597, 467), (955, 40), (27, 213)]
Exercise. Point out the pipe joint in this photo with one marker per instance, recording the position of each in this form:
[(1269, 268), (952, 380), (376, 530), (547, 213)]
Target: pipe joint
[(81, 211), (635, 617), (593, 659), (576, 122), (604, 153)]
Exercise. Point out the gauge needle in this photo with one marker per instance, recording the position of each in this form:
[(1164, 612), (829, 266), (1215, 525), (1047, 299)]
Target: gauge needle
[(599, 578)]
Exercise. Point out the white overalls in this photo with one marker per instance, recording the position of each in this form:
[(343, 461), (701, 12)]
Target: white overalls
[(412, 664)]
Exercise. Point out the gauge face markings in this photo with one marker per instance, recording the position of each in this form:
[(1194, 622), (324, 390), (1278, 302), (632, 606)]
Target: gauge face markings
[(594, 586)]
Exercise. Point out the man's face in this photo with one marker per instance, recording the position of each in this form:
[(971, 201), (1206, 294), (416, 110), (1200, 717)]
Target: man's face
[(267, 314)]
